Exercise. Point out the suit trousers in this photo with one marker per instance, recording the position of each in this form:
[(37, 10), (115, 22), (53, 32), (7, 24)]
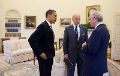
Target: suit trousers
[(92, 74), (102, 74), (79, 61), (45, 66)]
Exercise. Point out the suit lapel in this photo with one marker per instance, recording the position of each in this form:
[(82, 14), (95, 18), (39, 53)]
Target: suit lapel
[(49, 29), (72, 31), (80, 32)]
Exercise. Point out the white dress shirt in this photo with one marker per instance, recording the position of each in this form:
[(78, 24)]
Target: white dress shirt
[(98, 24), (49, 24), (78, 29)]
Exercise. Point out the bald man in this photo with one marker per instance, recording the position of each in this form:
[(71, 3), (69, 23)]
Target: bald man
[(74, 36)]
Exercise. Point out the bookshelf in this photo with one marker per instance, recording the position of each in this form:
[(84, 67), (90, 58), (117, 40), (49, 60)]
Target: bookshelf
[(13, 27)]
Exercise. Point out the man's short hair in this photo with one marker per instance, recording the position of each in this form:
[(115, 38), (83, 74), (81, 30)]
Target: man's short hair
[(49, 12), (97, 15)]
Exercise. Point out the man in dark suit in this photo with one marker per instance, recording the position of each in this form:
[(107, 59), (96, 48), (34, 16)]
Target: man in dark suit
[(74, 36), (42, 43), (96, 47)]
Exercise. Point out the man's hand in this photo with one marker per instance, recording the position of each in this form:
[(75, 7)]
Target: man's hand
[(66, 56), (84, 45), (43, 55)]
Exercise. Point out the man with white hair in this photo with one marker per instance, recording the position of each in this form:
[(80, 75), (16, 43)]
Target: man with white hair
[(74, 36), (96, 47)]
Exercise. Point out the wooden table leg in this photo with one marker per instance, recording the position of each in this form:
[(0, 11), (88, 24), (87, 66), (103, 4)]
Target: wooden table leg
[(33, 59)]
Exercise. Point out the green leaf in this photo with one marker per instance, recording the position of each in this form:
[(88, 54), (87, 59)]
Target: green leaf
[(88, 26)]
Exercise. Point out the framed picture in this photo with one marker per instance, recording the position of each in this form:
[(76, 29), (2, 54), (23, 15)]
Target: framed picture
[(30, 22), (90, 9), (65, 21)]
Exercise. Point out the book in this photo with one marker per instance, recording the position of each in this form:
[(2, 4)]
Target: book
[(68, 63)]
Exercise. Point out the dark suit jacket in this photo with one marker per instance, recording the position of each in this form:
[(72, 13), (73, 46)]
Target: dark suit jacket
[(96, 52), (42, 40), (70, 44)]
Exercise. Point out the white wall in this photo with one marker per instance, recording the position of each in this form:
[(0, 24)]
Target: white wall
[(64, 8)]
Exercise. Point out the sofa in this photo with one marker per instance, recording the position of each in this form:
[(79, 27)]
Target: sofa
[(16, 51)]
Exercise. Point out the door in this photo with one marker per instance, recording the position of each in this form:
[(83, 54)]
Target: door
[(115, 50)]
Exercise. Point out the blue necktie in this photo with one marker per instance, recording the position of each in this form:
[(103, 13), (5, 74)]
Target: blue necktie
[(76, 32)]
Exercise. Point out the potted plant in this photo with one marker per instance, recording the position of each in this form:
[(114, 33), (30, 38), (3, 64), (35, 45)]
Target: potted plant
[(87, 25), (90, 29)]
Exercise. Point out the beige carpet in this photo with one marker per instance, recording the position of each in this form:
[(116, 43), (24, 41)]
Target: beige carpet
[(4, 66), (19, 69)]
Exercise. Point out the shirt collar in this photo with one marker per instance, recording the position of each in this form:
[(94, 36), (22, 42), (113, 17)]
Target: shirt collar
[(98, 24), (75, 26), (48, 23)]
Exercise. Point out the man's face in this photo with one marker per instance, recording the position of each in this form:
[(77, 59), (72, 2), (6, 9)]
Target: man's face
[(76, 20), (53, 18), (92, 21)]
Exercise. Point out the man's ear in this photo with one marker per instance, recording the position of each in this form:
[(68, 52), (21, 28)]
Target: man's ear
[(48, 15)]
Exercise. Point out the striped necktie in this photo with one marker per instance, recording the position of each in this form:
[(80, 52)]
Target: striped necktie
[(76, 32)]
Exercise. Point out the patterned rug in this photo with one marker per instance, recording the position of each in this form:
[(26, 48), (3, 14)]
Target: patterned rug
[(21, 70), (28, 69)]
